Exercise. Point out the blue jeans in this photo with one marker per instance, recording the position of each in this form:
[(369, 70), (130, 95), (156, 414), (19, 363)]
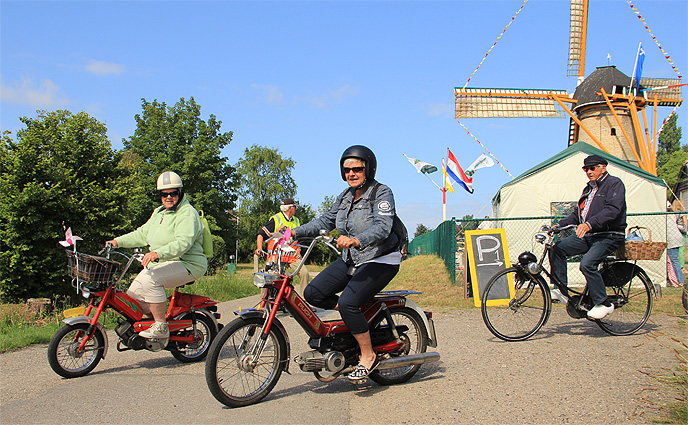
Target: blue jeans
[(595, 248), (357, 290), (673, 256)]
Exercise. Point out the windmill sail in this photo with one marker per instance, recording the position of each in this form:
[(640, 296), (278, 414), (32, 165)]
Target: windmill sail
[(507, 103)]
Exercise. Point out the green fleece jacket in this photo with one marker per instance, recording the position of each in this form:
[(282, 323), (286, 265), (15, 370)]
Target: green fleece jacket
[(175, 235)]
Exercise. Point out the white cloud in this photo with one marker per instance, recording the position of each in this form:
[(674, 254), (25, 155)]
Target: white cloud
[(439, 109), (333, 97), (28, 93), (272, 95), (105, 68)]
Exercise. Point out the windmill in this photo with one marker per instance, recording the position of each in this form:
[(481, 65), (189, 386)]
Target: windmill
[(607, 109)]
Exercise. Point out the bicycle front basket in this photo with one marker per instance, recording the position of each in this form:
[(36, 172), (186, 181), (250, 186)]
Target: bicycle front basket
[(90, 268)]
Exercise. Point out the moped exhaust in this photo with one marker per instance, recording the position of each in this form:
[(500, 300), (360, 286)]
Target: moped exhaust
[(413, 359)]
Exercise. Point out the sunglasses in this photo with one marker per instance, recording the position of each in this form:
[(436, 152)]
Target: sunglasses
[(354, 169), (174, 194), (590, 168)]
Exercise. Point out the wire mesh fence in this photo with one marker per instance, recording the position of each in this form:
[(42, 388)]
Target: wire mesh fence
[(448, 241)]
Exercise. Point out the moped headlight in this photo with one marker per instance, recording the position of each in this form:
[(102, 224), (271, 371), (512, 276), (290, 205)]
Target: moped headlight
[(85, 292), (262, 280)]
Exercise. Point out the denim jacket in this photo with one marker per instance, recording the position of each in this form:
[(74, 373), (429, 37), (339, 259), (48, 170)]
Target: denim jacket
[(369, 221)]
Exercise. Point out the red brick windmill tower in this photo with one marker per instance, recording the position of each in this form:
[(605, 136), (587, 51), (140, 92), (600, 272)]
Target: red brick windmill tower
[(607, 109)]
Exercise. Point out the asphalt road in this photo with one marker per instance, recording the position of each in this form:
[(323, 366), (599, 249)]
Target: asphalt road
[(571, 372)]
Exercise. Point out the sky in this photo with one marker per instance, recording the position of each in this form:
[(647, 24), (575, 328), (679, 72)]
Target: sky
[(312, 78)]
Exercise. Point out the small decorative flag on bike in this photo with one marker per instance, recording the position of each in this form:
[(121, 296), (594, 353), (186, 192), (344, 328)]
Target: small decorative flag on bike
[(70, 239), (421, 166), (285, 241), (456, 172)]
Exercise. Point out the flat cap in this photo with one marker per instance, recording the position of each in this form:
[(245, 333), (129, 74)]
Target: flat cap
[(594, 160)]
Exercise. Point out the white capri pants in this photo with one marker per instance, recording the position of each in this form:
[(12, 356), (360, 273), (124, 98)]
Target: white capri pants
[(149, 286)]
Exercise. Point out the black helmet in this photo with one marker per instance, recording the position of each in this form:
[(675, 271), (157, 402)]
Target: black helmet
[(363, 153)]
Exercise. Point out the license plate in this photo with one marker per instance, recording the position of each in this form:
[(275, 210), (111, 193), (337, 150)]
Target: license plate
[(76, 311)]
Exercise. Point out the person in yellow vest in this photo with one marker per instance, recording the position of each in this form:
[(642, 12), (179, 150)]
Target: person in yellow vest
[(280, 221)]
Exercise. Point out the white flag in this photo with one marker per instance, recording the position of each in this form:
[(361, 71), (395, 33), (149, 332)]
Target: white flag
[(482, 162), (421, 166)]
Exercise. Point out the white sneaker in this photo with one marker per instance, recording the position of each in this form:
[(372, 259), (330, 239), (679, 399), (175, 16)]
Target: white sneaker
[(156, 330), (600, 311), (558, 297)]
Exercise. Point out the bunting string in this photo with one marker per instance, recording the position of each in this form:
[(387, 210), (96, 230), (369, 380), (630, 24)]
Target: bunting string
[(485, 148), (666, 120), (647, 27), (498, 38)]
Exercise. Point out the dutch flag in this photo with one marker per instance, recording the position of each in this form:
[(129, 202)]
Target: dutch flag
[(456, 173)]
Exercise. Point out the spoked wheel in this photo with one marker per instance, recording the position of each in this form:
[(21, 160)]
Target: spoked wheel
[(64, 355), (415, 340), (684, 297), (632, 306), (197, 350), (233, 376), (517, 317)]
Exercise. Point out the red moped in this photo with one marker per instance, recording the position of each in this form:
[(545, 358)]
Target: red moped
[(248, 356), (78, 346)]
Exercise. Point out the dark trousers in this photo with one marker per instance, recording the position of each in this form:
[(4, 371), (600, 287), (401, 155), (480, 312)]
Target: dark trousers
[(595, 248), (356, 290)]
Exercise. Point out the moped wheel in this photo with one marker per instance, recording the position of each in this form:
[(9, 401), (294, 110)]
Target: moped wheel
[(64, 355), (517, 317), (684, 297), (235, 378), (415, 340), (632, 306), (198, 350)]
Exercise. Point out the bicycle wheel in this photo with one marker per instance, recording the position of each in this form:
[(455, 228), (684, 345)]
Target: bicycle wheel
[(64, 355), (232, 376), (197, 350), (519, 317), (415, 341), (632, 305)]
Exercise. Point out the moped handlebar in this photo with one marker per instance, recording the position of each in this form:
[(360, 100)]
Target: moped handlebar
[(325, 239)]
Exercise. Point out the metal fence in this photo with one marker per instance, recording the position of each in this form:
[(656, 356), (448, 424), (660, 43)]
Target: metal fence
[(447, 241), (441, 242)]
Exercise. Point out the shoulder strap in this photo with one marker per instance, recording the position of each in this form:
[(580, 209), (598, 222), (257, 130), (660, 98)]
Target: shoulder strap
[(373, 192)]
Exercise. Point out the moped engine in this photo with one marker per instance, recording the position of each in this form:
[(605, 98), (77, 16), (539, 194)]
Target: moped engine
[(314, 361), (132, 341)]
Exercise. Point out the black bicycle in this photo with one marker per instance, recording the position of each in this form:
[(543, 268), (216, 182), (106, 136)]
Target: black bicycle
[(517, 302)]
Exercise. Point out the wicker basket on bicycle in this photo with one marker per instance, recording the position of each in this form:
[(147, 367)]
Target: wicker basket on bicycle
[(89, 268), (641, 250)]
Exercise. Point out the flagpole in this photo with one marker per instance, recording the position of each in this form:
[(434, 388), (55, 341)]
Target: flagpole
[(444, 194)]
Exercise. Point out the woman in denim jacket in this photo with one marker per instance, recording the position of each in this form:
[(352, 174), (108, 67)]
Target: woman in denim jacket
[(370, 258)]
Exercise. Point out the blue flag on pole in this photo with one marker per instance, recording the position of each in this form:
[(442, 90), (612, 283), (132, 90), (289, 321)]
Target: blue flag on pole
[(638, 70)]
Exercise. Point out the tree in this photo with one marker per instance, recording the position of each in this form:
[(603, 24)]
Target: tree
[(265, 180), (670, 153), (177, 139), (60, 172), (421, 230)]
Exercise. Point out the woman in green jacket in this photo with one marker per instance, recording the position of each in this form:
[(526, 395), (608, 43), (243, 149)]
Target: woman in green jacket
[(174, 235)]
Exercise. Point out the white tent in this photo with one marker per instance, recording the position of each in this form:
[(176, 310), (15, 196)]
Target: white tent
[(554, 186)]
